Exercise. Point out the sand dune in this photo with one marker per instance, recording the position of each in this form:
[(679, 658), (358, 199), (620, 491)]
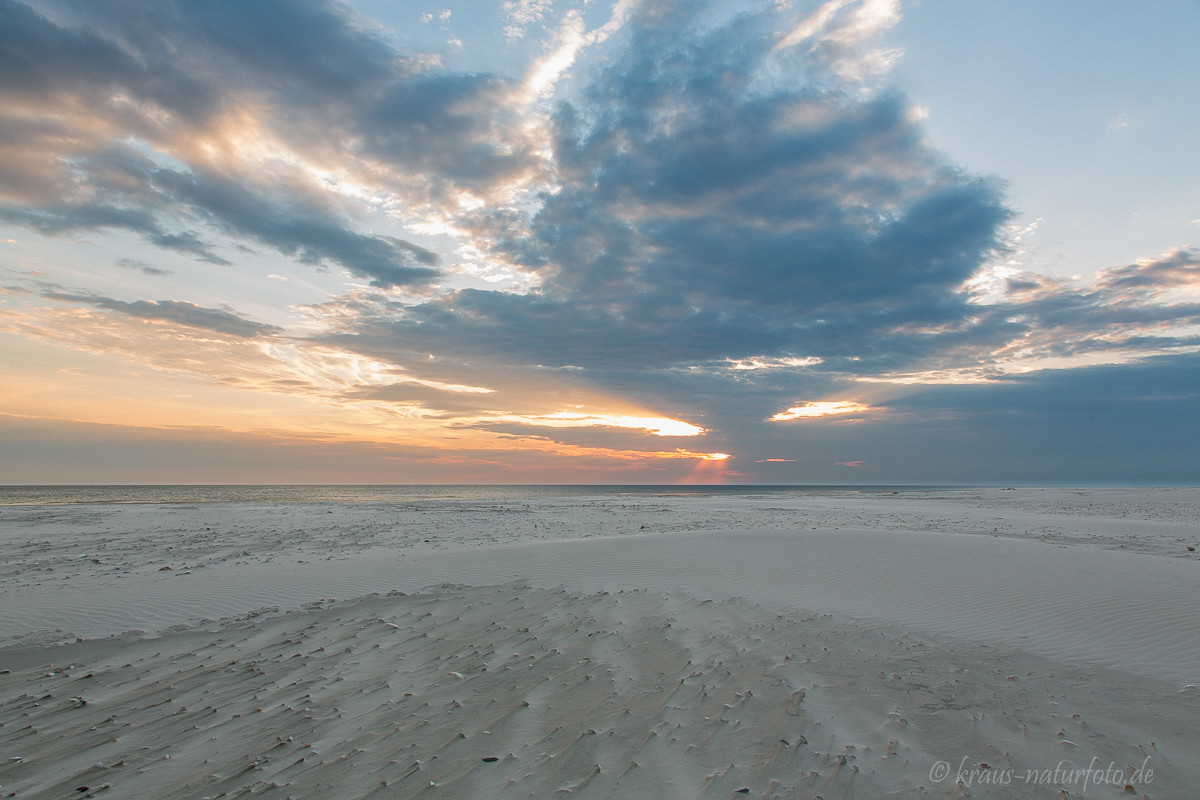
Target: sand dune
[(885, 662), (515, 691)]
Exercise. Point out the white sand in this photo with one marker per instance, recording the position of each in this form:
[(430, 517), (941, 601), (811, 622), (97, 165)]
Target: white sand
[(596, 651)]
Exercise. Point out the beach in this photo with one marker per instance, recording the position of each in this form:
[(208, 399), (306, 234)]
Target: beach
[(1032, 642)]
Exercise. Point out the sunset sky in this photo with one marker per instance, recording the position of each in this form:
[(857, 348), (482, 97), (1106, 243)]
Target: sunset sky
[(655, 241)]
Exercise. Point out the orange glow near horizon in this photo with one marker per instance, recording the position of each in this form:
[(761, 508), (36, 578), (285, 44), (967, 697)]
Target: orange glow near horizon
[(659, 426), (704, 456), (710, 468), (822, 408), (147, 378)]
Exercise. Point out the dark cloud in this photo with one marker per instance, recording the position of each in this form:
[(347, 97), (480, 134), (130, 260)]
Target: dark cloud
[(709, 198), (451, 132), (133, 194), (175, 311), (189, 59), (1125, 423), (84, 79), (68, 218), (311, 235), (710, 206), (1112, 423), (41, 59), (707, 204), (708, 210)]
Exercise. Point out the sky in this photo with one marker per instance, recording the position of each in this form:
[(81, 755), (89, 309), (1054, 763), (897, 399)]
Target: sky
[(584, 241)]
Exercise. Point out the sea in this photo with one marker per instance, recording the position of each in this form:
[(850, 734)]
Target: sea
[(71, 495)]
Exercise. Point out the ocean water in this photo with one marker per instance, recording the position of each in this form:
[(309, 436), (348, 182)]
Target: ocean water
[(70, 495)]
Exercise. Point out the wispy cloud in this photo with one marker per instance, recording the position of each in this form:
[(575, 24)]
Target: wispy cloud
[(523, 13), (181, 312), (142, 266)]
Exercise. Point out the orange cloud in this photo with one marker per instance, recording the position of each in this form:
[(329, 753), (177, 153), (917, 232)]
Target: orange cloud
[(659, 426), (821, 408)]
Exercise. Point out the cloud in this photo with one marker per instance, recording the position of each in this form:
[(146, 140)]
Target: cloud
[(523, 13), (47, 451), (836, 32), (821, 408), (1130, 422), (657, 426), (178, 312), (178, 121), (708, 208), (301, 230), (69, 217), (705, 204), (846, 22), (229, 352), (704, 217), (1178, 269), (141, 266), (1120, 314)]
